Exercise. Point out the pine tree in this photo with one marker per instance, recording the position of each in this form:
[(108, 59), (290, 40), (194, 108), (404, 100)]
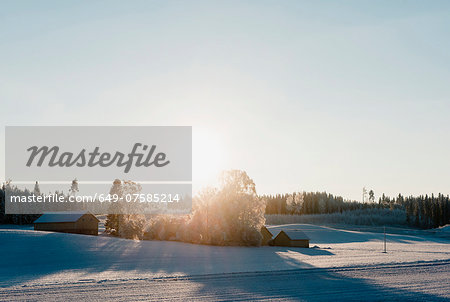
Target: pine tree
[(112, 224), (372, 196), (74, 187), (417, 213), (37, 190)]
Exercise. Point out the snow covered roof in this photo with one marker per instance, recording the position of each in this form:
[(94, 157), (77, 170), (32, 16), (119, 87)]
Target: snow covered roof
[(275, 233), (293, 234), (71, 216)]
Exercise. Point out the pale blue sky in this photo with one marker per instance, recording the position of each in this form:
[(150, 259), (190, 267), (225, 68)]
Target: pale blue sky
[(318, 95)]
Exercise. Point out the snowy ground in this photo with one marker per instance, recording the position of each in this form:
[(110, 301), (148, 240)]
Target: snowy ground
[(347, 265)]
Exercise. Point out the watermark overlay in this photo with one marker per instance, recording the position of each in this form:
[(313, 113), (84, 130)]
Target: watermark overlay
[(123, 197), (106, 170)]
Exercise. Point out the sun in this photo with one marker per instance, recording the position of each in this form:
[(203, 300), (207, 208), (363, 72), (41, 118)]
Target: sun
[(207, 157)]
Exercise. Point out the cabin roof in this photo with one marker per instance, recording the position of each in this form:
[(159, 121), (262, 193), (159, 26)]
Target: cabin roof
[(55, 217), (296, 235), (265, 228), (292, 234)]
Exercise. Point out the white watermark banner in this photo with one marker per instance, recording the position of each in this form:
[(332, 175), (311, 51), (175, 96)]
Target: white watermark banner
[(98, 153), (147, 169)]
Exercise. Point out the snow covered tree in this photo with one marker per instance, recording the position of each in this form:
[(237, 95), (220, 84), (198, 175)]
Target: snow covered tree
[(122, 221), (294, 203), (74, 187), (371, 196), (233, 214), (37, 190), (112, 220)]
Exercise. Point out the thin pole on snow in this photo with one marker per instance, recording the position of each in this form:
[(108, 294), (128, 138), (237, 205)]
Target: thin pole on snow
[(384, 239)]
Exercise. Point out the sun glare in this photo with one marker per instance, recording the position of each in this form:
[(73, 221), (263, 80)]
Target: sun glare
[(207, 157)]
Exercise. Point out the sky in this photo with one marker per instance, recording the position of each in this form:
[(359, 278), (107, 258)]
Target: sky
[(302, 95)]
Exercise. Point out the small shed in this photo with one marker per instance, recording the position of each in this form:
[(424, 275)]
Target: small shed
[(266, 235), (293, 238), (80, 222)]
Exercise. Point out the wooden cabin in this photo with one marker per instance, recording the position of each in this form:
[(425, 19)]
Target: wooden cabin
[(80, 222), (266, 235), (293, 238)]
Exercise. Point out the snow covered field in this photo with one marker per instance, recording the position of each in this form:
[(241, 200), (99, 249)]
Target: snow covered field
[(344, 264)]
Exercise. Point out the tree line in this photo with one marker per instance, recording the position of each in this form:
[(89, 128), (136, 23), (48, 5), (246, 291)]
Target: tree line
[(14, 218), (16, 191), (422, 211)]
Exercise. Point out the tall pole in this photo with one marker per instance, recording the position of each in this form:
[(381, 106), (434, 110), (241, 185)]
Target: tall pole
[(384, 239)]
